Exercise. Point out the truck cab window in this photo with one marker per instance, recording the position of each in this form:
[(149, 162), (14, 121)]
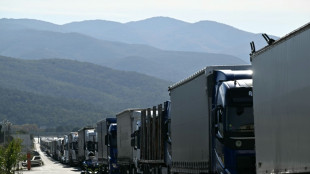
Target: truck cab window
[(220, 126), (75, 145), (91, 146), (240, 118), (137, 139), (113, 139)]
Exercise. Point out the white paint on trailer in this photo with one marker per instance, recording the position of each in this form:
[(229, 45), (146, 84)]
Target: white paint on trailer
[(126, 125), (281, 93)]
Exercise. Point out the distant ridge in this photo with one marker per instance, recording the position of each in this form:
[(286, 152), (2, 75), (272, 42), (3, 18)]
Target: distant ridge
[(166, 33), (168, 65)]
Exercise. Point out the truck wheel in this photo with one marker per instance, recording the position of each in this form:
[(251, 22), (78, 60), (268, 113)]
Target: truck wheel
[(106, 170), (148, 169), (168, 170), (160, 169), (133, 170), (123, 170)]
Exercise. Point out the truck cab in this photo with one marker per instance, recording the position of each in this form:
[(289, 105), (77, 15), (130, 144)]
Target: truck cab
[(232, 122), (59, 149), (106, 136), (73, 148), (91, 142), (65, 158), (111, 143)]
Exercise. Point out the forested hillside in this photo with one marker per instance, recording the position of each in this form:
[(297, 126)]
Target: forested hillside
[(27, 108), (54, 82)]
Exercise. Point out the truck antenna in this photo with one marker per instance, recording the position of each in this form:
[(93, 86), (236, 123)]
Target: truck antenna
[(252, 47), (268, 40)]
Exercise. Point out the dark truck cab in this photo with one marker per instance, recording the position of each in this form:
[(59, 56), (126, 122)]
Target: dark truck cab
[(232, 120), (111, 143)]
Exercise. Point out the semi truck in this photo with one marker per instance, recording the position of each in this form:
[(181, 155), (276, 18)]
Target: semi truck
[(73, 148), (212, 127), (59, 149), (65, 158), (87, 143), (127, 156), (151, 140), (281, 90), (54, 148), (107, 145), (45, 144)]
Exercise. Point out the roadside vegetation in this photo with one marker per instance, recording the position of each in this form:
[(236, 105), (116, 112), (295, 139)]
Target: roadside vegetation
[(10, 155)]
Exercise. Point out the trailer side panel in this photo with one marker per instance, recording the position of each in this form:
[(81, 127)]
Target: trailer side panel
[(281, 89)]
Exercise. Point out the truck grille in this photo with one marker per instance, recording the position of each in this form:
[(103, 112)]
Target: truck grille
[(246, 165)]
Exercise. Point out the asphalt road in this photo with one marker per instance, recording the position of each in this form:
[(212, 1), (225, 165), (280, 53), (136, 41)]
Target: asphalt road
[(51, 166)]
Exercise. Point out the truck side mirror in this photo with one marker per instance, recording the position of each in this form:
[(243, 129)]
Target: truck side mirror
[(219, 113), (132, 142), (138, 140), (133, 138), (106, 140), (216, 128), (219, 107)]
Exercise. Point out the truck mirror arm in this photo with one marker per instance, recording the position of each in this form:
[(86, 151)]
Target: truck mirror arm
[(219, 136)]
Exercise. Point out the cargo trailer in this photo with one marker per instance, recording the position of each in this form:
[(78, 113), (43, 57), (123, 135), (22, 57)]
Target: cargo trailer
[(73, 148), (152, 140), (127, 156), (281, 89), (86, 143)]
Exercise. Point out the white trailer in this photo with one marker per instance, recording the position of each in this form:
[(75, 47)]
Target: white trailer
[(59, 149), (281, 93), (127, 156), (65, 158), (73, 148), (102, 152), (86, 143)]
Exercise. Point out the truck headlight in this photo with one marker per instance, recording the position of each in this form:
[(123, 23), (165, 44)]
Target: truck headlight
[(238, 143), (114, 165)]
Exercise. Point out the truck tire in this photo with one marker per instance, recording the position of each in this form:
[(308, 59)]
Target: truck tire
[(131, 169)]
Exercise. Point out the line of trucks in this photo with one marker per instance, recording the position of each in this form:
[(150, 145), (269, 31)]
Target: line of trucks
[(224, 119)]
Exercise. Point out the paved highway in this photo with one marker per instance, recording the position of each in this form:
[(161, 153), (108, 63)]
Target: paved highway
[(51, 166)]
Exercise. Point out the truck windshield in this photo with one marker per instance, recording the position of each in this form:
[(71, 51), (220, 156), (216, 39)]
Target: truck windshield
[(91, 146), (74, 145), (113, 139), (240, 118)]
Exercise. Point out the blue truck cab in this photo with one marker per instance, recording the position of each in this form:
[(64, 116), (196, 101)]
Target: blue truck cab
[(232, 122), (111, 142)]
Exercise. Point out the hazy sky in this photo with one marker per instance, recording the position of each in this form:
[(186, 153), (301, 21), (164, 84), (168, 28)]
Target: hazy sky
[(277, 17)]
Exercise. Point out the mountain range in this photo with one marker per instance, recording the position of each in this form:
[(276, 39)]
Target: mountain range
[(167, 65), (160, 32)]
